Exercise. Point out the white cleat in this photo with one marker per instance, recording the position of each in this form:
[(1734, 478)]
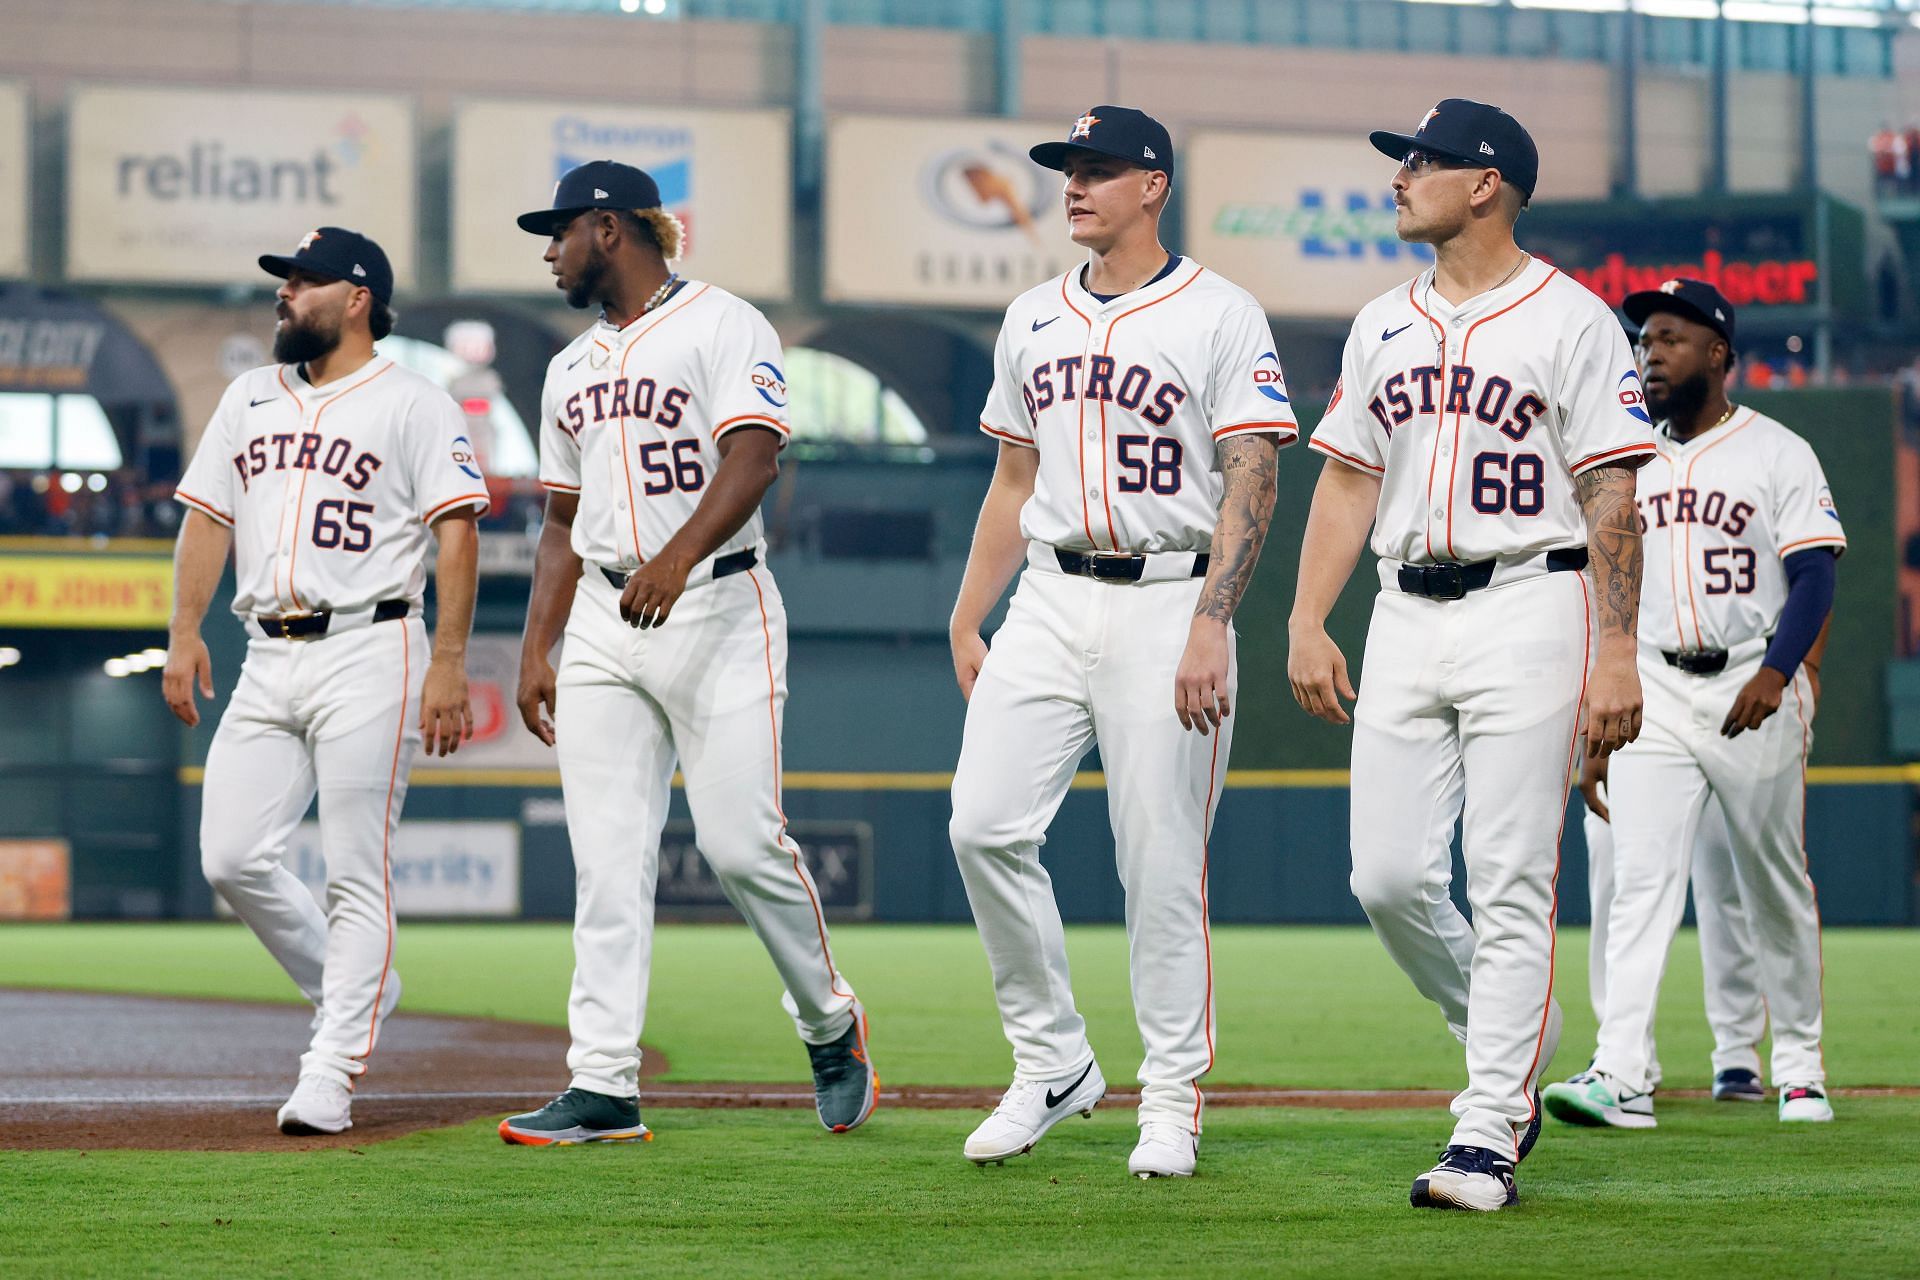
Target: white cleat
[(1165, 1151), (320, 1104), (1805, 1104), (1030, 1108)]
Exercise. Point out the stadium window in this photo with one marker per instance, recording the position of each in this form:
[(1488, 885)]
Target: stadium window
[(830, 398), (68, 432), (500, 435)]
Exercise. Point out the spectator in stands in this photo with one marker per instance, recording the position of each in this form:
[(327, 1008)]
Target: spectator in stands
[(1886, 146), (1908, 158)]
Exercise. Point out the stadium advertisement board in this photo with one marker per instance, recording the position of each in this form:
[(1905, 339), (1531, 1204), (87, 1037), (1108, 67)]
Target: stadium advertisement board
[(94, 592), (189, 186), (15, 152), (447, 869), (727, 175), (941, 212)]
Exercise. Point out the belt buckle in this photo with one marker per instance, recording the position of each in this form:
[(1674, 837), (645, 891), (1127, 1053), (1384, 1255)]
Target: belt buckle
[(1445, 582), (283, 619), (1113, 566)]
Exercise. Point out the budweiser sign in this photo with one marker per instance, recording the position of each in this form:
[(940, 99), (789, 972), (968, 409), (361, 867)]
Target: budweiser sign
[(1766, 282)]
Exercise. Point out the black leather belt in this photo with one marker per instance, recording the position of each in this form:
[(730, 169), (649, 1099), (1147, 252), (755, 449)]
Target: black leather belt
[(726, 566), (1115, 566), (1704, 663), (1451, 581), (304, 626)]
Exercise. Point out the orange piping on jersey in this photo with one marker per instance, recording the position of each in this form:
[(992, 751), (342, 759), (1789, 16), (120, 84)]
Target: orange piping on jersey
[(1679, 626), (1321, 446), (751, 420), (1553, 911), (1008, 436), (626, 465), (480, 498), (386, 831), (1080, 426), (1206, 933), (1699, 641), (1106, 349), (1288, 430), (558, 487), (203, 505), (1806, 747), (1453, 468), (1814, 542), (780, 835), (1440, 414), (300, 503), (1607, 455)]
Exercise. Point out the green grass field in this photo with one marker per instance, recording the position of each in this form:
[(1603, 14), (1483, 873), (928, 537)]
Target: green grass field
[(1716, 1190)]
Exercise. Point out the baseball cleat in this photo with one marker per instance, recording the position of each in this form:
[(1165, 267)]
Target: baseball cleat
[(1466, 1178), (1165, 1151), (1031, 1107), (1530, 1134), (1805, 1104), (577, 1116), (1737, 1084), (1596, 1099), (846, 1088), (320, 1104)]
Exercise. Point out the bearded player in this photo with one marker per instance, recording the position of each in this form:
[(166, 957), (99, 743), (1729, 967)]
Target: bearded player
[(1140, 409)]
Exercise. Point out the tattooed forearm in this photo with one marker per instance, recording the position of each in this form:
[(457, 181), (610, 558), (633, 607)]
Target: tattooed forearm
[(1613, 546), (1249, 465)]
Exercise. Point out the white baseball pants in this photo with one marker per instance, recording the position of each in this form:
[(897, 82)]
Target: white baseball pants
[(1079, 661), (341, 715), (1657, 789), (1729, 967), (1469, 712), (708, 688)]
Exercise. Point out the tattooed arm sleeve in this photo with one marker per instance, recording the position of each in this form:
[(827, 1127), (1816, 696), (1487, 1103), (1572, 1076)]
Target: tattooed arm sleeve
[(1249, 464), (1613, 548)]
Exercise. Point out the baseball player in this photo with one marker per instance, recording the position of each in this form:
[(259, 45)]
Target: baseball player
[(1742, 540), (660, 428), (1486, 426), (1140, 408), (326, 473)]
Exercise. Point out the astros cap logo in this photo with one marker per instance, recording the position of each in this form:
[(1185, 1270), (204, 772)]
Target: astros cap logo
[(1427, 119), (1083, 127), (306, 241), (1671, 286)]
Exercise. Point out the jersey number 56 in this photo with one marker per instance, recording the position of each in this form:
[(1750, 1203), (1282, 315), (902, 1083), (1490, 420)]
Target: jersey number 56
[(671, 465)]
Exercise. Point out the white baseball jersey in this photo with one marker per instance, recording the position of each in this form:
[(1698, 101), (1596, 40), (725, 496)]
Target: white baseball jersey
[(1478, 417), (631, 418), (1718, 514), (330, 490), (1126, 401)]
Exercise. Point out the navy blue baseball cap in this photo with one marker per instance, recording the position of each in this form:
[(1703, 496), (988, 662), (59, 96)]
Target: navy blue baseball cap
[(336, 253), (1121, 132), (597, 184), (1472, 133), (1692, 299)]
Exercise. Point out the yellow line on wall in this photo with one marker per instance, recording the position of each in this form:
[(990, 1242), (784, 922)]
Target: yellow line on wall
[(1248, 779)]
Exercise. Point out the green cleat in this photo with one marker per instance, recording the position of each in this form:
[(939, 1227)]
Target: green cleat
[(577, 1116), (845, 1086), (1596, 1099)]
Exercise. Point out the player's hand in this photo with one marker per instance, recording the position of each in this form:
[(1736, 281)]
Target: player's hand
[(1318, 672), (446, 712), (1758, 699), (1614, 706), (1200, 693), (969, 655), (1593, 786), (188, 664), (651, 592), (537, 689)]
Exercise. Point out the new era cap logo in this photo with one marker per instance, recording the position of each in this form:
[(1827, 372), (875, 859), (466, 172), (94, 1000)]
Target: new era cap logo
[(1485, 150), (359, 270), (1149, 153), (1083, 127), (598, 194)]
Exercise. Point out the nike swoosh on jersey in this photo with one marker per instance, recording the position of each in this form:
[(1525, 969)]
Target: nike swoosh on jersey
[(577, 359), (255, 404), (1038, 325), (1388, 335)]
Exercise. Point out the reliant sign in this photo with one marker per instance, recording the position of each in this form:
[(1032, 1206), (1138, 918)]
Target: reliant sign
[(190, 186)]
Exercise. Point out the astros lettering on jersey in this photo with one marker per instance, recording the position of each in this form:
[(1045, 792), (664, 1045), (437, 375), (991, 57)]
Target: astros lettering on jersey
[(330, 506), (640, 412), (1486, 411), (1718, 515), (1137, 385)]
